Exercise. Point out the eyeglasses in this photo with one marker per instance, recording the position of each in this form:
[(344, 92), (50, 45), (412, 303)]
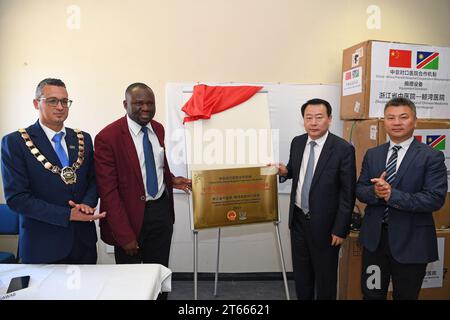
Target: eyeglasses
[(53, 102)]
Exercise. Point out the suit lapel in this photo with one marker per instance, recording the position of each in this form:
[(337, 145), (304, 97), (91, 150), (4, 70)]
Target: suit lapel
[(72, 145), (323, 159), (381, 164), (158, 134), (130, 150), (41, 142), (407, 159), (299, 155)]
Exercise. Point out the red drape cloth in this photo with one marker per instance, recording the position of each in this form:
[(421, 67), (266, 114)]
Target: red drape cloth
[(207, 100)]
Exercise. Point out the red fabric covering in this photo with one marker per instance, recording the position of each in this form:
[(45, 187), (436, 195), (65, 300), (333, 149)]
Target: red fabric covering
[(207, 100)]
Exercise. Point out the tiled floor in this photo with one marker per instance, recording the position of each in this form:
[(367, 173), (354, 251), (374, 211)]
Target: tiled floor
[(232, 290)]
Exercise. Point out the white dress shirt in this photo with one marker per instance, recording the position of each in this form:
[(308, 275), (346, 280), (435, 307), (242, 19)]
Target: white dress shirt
[(317, 151), (51, 133), (158, 152), (401, 152)]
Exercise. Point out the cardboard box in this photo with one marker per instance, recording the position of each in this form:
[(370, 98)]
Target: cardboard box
[(350, 265), (366, 134), (363, 135), (373, 72)]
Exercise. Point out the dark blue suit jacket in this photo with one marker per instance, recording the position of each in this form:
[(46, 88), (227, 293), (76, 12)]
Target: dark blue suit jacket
[(419, 188), (41, 197), (332, 193)]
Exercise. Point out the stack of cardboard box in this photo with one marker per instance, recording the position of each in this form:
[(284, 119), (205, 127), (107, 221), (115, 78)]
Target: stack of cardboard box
[(373, 73), (350, 264)]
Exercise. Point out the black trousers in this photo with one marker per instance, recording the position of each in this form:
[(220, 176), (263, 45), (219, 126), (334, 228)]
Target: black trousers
[(315, 269), (155, 237), (380, 266)]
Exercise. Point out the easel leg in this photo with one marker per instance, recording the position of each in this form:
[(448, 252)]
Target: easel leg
[(216, 279), (195, 262), (283, 267)]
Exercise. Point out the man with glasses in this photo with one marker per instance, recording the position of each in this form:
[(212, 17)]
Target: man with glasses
[(48, 178)]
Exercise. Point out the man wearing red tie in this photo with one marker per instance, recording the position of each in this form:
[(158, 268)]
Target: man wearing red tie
[(135, 182)]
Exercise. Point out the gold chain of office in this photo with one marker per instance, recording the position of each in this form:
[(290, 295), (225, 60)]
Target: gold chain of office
[(68, 173)]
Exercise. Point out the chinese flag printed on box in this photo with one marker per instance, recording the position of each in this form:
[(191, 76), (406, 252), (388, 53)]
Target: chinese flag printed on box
[(400, 58), (348, 75)]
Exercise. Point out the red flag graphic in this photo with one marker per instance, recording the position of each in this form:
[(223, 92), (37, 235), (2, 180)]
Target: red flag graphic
[(207, 100), (400, 58)]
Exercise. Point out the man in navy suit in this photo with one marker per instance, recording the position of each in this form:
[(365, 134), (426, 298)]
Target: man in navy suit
[(323, 170), (48, 178), (402, 182)]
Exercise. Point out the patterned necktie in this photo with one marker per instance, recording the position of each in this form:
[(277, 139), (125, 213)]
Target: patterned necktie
[(391, 171), (308, 178), (60, 152), (150, 167)]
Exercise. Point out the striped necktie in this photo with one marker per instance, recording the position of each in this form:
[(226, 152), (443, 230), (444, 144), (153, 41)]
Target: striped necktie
[(391, 171)]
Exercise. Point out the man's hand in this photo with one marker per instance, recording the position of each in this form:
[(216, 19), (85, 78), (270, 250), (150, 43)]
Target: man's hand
[(282, 170), (83, 212), (131, 248), (82, 207), (336, 241), (381, 188), (182, 183), (77, 215)]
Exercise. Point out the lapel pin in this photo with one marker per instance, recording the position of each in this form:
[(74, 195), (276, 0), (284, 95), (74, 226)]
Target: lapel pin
[(71, 147)]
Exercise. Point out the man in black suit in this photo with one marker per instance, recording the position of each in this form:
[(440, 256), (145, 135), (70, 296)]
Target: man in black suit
[(402, 182), (323, 170)]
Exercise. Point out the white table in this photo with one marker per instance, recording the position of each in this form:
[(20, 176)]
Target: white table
[(87, 282)]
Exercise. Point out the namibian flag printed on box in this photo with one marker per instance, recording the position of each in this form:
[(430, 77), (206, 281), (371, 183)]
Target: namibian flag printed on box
[(435, 141), (427, 60)]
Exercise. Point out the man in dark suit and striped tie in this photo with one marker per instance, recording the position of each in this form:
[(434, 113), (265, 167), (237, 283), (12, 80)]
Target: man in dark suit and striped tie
[(402, 182)]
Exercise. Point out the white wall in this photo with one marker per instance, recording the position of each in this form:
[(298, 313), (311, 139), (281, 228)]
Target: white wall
[(294, 41)]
